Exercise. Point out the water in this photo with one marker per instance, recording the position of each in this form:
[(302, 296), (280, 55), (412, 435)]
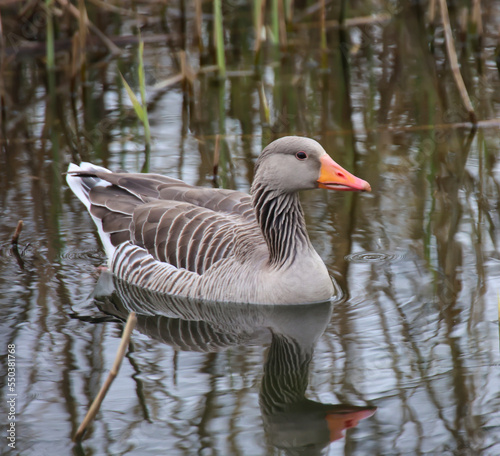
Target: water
[(414, 329)]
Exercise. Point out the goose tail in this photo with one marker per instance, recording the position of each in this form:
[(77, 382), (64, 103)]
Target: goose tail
[(81, 181)]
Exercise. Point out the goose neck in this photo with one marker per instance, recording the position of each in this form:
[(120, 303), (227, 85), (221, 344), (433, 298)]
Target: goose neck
[(281, 220), (286, 373)]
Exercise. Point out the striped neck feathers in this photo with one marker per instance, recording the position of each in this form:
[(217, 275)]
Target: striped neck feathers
[(281, 220), (286, 374)]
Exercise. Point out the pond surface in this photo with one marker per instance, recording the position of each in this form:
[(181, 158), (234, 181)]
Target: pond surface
[(403, 361)]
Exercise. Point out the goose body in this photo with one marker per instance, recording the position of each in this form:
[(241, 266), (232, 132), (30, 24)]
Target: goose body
[(222, 245)]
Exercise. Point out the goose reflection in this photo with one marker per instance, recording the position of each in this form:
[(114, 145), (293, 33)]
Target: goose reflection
[(292, 422)]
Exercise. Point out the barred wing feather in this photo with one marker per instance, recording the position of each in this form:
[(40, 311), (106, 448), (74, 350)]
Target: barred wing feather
[(188, 227)]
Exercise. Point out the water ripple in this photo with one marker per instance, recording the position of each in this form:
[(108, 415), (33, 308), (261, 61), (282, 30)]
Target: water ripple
[(30, 250), (84, 255), (6, 250), (374, 257)]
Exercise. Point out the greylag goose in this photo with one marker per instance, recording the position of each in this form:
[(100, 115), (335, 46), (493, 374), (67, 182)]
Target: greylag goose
[(222, 245)]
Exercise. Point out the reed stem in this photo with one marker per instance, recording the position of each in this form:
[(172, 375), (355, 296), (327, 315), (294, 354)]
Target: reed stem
[(275, 22), (199, 22), (219, 38), (259, 6), (323, 25), (50, 51)]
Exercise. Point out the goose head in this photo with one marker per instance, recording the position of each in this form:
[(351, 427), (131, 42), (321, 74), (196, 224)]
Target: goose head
[(294, 163)]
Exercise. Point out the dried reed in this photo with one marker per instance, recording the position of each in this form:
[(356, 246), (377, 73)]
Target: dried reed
[(94, 408)]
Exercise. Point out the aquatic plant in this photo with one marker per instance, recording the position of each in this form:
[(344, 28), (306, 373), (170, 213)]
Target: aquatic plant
[(141, 107), (219, 38)]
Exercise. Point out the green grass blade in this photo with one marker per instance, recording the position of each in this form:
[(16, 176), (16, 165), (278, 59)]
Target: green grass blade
[(135, 102), (142, 88), (141, 107)]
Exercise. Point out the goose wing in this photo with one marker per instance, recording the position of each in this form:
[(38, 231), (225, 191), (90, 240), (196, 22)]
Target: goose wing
[(188, 227), (155, 186), (184, 235)]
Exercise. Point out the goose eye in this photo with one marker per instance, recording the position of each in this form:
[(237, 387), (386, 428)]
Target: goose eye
[(301, 155)]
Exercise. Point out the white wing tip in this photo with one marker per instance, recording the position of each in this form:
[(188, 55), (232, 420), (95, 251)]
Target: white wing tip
[(76, 186), (86, 166)]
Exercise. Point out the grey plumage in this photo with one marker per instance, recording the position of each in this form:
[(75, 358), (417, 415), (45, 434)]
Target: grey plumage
[(165, 235)]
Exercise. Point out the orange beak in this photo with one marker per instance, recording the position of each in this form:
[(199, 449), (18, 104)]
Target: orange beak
[(338, 422), (333, 177)]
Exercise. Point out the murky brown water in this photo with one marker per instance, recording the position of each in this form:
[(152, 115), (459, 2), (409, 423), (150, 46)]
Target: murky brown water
[(415, 331)]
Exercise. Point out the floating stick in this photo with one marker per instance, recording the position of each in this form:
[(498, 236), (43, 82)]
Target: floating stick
[(94, 408)]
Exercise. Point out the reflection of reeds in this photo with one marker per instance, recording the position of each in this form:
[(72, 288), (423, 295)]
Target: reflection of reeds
[(199, 23), (259, 6), (49, 43), (221, 152), (216, 159), (323, 25), (219, 38), (452, 56), (141, 107), (477, 21), (275, 21), (3, 112)]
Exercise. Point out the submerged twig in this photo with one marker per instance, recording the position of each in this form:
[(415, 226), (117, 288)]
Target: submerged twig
[(216, 158), (14, 244), (452, 56), (15, 236), (94, 408)]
